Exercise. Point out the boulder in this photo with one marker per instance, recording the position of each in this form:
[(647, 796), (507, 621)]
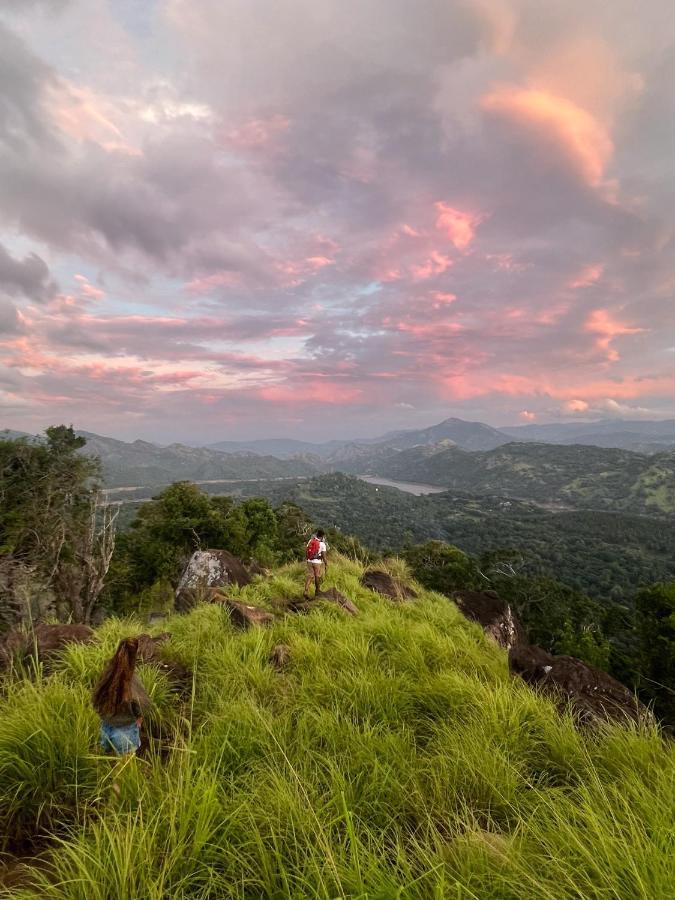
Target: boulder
[(208, 569), (243, 615), (385, 584), (148, 646), (43, 641), (253, 568), (150, 653), (493, 614), (280, 656), (334, 596), (593, 694)]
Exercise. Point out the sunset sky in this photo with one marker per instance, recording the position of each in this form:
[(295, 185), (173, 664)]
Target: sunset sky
[(329, 218)]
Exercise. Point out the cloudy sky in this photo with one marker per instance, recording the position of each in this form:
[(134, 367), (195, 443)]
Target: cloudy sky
[(327, 218)]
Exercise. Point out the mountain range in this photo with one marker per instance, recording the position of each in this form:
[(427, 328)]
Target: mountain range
[(641, 436)]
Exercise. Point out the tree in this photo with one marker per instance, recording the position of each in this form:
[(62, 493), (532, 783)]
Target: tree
[(655, 606), (442, 567), (56, 533)]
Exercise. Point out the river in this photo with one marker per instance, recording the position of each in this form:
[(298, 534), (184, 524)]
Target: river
[(408, 486)]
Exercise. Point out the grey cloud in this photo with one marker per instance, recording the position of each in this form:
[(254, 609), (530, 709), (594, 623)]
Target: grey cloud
[(29, 277), (9, 318)]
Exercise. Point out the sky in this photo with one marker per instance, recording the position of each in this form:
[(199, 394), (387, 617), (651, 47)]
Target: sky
[(319, 219)]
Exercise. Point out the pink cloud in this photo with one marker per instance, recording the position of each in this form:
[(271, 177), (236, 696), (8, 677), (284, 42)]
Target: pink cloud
[(256, 134), (527, 416), (603, 323), (587, 276), (582, 138), (435, 264), (321, 392), (458, 225)]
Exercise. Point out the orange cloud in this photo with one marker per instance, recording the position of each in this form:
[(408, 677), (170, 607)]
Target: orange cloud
[(607, 328), (458, 225), (589, 275), (527, 416), (435, 264), (584, 140)]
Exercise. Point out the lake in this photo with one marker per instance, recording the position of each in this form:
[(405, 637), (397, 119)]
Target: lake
[(408, 486)]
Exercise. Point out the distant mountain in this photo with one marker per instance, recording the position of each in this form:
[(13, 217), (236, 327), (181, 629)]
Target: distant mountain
[(639, 435), (575, 476), (144, 464), (281, 448), (467, 435), (6, 434)]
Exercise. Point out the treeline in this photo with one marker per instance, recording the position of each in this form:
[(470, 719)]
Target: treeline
[(606, 555)]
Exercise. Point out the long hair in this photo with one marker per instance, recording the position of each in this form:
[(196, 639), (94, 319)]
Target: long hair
[(113, 691)]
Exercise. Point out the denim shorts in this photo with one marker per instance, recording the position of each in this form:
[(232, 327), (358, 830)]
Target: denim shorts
[(120, 739)]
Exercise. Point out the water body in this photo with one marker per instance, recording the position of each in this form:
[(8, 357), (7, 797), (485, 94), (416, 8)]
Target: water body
[(408, 486)]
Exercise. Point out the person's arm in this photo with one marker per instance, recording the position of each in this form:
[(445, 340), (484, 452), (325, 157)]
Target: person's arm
[(324, 557)]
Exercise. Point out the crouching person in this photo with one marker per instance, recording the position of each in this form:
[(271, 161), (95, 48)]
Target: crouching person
[(121, 701)]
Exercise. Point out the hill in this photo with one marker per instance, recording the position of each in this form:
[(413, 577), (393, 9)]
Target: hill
[(393, 756), (639, 435), (576, 476), (143, 464), (600, 553)]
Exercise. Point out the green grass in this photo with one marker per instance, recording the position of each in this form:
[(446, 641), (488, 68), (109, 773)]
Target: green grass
[(394, 757)]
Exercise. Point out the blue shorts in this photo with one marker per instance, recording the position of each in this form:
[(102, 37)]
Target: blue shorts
[(120, 739)]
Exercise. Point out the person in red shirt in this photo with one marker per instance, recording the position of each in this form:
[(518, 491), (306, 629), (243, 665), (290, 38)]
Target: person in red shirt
[(317, 564)]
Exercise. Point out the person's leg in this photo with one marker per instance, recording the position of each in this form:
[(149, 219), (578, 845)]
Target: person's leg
[(308, 579), (318, 572)]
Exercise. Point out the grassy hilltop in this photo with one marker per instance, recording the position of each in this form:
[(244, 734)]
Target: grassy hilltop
[(392, 757)]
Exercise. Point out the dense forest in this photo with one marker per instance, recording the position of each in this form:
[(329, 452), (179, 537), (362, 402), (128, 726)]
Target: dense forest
[(575, 476)]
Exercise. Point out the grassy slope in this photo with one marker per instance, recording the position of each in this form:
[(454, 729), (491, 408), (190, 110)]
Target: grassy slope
[(393, 758)]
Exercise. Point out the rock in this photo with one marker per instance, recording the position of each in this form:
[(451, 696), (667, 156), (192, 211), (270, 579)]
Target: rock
[(243, 615), (280, 656), (593, 694), (148, 646), (253, 568), (494, 615), (208, 569), (43, 641), (334, 596), (385, 584)]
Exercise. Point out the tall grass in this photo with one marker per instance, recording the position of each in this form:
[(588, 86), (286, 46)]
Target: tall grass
[(393, 757)]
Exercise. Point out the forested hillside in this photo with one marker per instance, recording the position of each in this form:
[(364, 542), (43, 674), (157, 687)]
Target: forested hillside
[(575, 476), (600, 553)]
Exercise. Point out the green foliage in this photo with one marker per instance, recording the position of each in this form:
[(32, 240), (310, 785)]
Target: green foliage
[(574, 476), (441, 567), (656, 629), (182, 519), (595, 553), (589, 645), (393, 757), (47, 493)]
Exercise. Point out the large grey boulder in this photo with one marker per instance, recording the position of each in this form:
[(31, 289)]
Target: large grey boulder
[(493, 614), (208, 569)]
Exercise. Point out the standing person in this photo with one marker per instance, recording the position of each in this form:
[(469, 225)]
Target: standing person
[(317, 563), (120, 700)]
